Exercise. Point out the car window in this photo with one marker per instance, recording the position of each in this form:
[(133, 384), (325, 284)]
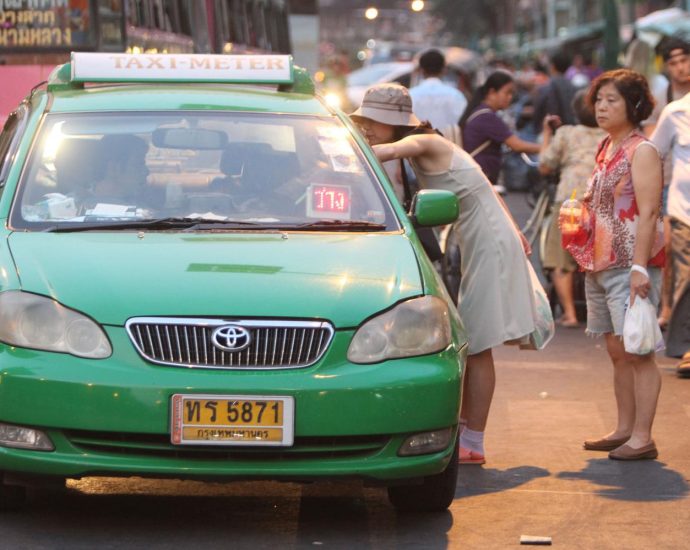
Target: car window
[(260, 168)]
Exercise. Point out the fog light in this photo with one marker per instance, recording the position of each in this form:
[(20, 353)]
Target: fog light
[(24, 438), (426, 443)]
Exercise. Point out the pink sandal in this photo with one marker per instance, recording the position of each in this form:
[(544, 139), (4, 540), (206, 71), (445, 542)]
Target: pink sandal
[(470, 457)]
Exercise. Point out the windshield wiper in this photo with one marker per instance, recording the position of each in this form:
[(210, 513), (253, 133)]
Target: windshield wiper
[(202, 224), (158, 223), (340, 225)]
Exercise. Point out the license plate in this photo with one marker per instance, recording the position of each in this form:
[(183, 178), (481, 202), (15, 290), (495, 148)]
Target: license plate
[(232, 420)]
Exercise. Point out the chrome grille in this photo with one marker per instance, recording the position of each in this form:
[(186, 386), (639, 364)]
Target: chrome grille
[(184, 342), (158, 445)]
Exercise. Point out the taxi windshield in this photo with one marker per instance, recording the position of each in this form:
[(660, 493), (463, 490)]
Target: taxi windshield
[(91, 170)]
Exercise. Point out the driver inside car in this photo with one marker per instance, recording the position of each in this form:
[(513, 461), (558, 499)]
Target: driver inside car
[(122, 174)]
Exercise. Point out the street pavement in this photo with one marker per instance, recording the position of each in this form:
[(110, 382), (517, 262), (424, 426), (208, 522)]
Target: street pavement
[(537, 481)]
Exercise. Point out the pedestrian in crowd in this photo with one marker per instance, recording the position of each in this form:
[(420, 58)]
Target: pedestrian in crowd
[(676, 55), (484, 132), (623, 252), (495, 276), (528, 81), (435, 101), (555, 97), (582, 70), (671, 137), (570, 153)]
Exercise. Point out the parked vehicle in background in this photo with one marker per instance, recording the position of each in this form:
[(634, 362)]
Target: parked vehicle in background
[(385, 52), (462, 69), (359, 80), (37, 36)]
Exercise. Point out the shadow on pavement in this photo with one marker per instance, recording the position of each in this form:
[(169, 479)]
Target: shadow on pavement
[(335, 515), (356, 523), (644, 481), (474, 480)]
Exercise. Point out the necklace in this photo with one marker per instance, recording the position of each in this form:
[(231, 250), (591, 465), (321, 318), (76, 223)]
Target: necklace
[(613, 148)]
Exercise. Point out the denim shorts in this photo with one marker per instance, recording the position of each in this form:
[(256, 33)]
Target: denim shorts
[(607, 292)]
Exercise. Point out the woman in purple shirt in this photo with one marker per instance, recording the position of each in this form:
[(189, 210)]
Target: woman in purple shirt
[(483, 131)]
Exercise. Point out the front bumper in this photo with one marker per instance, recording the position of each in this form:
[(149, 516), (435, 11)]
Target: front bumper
[(112, 417), (70, 460)]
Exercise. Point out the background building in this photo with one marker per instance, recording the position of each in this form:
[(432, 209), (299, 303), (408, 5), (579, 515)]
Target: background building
[(509, 28), (404, 25)]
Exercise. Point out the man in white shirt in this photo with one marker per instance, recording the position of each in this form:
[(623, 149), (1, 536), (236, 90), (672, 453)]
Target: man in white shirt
[(433, 100), (676, 55), (672, 137)]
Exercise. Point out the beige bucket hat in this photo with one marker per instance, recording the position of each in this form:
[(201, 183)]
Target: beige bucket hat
[(387, 103)]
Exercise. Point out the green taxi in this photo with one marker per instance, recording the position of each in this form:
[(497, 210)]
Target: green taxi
[(205, 274)]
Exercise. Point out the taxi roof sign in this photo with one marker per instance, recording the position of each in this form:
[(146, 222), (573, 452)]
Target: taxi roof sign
[(239, 69)]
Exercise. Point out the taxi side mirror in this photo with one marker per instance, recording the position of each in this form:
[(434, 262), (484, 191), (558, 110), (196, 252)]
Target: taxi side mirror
[(434, 207)]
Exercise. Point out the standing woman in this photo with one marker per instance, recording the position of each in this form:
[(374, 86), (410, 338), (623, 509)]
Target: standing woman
[(484, 132), (571, 152), (496, 296), (623, 252)]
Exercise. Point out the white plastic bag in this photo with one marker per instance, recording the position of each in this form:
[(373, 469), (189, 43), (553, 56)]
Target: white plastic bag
[(641, 332), (544, 327)]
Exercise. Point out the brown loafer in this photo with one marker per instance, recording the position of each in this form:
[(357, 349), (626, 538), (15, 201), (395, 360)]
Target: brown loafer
[(625, 452), (604, 444)]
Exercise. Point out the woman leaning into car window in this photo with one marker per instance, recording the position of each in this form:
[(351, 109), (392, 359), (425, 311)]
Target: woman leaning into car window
[(496, 296)]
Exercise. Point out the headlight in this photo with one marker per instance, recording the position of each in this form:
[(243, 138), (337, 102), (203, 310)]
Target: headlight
[(33, 321), (416, 327)]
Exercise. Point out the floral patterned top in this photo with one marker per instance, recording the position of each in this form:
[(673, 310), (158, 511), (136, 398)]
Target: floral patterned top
[(612, 212), (572, 151)]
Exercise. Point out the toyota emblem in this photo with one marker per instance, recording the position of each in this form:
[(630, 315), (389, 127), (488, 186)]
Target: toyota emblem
[(231, 338)]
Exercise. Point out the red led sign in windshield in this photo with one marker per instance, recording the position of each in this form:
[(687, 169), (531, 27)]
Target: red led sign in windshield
[(329, 201)]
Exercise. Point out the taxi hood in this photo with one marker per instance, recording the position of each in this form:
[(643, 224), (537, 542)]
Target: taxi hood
[(112, 276)]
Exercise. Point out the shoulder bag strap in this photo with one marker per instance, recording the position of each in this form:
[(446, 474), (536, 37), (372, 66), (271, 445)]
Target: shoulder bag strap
[(406, 185), (477, 113), (480, 148), (484, 145)]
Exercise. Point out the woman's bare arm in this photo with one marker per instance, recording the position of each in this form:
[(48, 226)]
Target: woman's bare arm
[(647, 183), (430, 151), (521, 146), (408, 147)]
